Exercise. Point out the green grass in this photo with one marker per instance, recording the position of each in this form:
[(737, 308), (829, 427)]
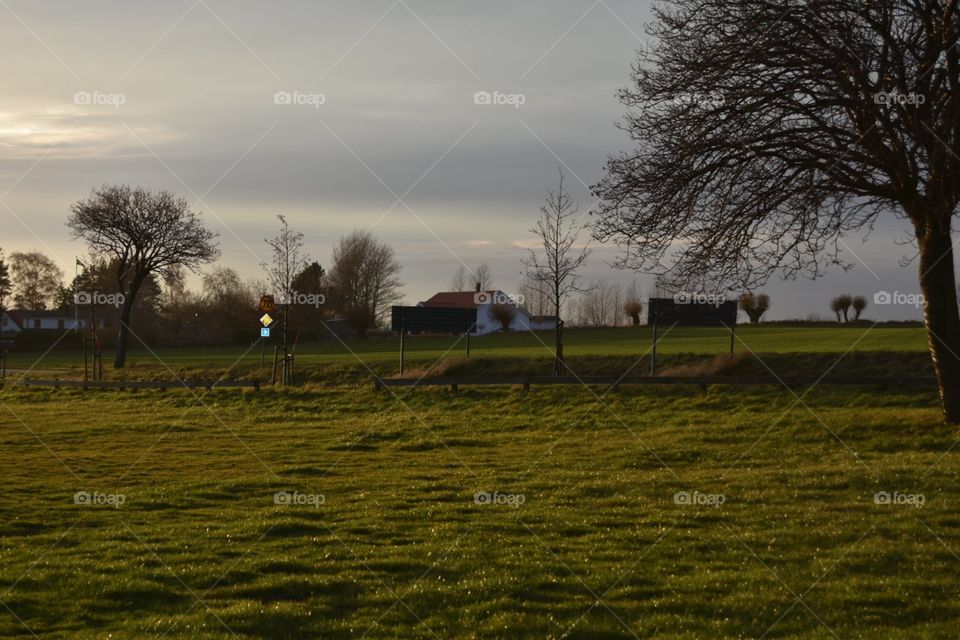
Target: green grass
[(399, 549), (623, 342)]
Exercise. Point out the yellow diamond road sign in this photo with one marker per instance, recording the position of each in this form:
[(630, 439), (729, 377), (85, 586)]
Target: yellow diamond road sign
[(266, 319)]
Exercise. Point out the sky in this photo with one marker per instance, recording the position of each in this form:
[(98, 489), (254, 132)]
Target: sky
[(343, 115)]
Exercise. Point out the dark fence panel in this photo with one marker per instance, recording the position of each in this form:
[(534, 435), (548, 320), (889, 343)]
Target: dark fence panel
[(669, 312), (433, 319)]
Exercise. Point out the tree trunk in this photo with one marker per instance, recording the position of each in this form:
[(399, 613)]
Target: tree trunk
[(123, 333), (938, 283)]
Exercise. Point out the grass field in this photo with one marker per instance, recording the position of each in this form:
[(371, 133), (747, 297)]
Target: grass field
[(624, 342), (654, 512)]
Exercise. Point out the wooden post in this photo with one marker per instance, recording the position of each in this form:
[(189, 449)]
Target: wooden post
[(468, 344), (653, 354), (733, 334), (401, 349)]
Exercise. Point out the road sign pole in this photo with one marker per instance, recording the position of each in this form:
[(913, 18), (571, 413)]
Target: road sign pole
[(733, 335), (401, 351)]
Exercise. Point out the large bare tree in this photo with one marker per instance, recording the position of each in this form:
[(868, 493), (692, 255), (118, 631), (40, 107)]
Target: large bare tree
[(36, 280), (364, 278), (554, 271), (766, 130), (142, 232)]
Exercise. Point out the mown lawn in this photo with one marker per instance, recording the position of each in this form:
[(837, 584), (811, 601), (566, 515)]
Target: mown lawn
[(598, 548)]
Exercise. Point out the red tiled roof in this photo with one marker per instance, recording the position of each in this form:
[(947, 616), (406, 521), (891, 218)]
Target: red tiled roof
[(455, 299)]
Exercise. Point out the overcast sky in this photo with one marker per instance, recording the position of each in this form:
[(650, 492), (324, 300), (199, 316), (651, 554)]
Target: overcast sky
[(381, 130)]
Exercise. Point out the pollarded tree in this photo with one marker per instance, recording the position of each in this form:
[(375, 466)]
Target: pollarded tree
[(504, 314), (844, 301), (754, 305), (859, 304), (767, 130), (836, 305), (143, 233)]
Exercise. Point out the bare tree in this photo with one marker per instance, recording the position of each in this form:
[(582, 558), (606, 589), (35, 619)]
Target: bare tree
[(364, 274), (229, 305), (633, 307), (459, 280), (845, 301), (36, 280), (554, 272), (600, 305), (482, 277), (504, 314), (5, 283), (839, 306), (754, 305), (288, 260), (143, 232), (535, 299), (859, 304), (758, 157)]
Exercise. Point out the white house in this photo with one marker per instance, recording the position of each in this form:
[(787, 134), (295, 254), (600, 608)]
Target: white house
[(483, 302), (14, 322)]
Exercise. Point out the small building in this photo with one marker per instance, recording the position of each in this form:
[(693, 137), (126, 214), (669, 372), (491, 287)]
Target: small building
[(483, 302)]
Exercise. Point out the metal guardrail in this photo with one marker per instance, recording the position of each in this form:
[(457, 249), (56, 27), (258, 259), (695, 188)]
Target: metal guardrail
[(135, 384), (616, 381)]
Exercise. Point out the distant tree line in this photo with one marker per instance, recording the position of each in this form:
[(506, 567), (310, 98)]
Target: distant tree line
[(142, 244)]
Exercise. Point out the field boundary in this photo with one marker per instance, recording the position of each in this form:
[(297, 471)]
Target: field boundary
[(136, 384), (704, 381)]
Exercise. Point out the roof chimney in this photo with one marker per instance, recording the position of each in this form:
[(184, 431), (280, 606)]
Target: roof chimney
[(478, 287)]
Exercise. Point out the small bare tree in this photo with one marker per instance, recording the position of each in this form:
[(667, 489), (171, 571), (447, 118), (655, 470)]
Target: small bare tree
[(555, 270), (289, 260), (142, 232), (482, 277), (633, 308), (459, 280)]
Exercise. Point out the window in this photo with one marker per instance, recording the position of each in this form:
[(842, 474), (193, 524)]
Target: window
[(36, 323)]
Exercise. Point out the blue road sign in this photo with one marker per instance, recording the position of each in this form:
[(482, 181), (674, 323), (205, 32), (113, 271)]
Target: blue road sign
[(264, 332)]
